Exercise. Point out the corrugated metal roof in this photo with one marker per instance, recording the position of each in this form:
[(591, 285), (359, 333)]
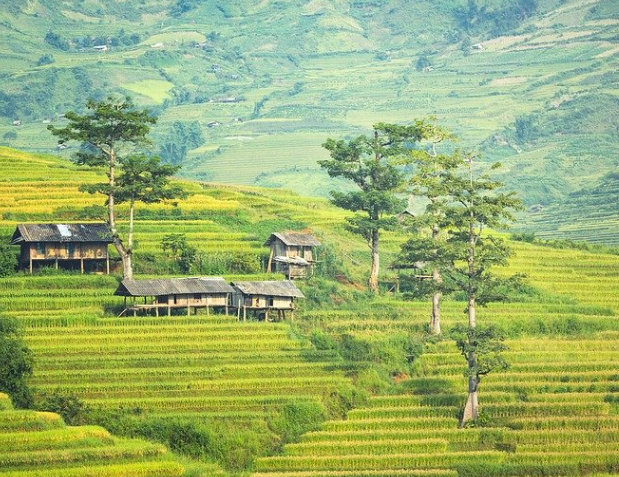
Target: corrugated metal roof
[(62, 233), (269, 288), (173, 286), (292, 260), (294, 238)]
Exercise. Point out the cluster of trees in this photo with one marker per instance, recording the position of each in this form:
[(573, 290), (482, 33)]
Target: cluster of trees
[(121, 38), (449, 242), (179, 140), (478, 19), (111, 134)]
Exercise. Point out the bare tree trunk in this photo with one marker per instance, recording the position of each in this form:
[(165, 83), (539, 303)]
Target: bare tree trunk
[(120, 247), (435, 323), (373, 282), (471, 409)]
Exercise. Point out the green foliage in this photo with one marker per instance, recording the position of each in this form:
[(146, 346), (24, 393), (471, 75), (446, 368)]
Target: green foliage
[(423, 62), (111, 124), (55, 40), (146, 179), (8, 257), (46, 59), (372, 164), (16, 363), (487, 344), (297, 418), (74, 411), (179, 139), (479, 19)]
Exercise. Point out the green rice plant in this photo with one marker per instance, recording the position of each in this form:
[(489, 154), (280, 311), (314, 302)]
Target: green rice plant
[(14, 421), (65, 438), (376, 447)]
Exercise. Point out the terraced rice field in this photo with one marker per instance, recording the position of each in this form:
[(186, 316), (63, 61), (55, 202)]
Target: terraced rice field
[(40, 444), (200, 367), (554, 412)]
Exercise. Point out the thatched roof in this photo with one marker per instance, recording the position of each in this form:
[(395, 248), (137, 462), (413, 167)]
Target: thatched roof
[(173, 286), (294, 239), (270, 288), (62, 233)]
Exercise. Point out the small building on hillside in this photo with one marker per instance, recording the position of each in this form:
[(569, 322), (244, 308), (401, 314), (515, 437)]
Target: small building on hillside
[(265, 297), (173, 293), (73, 246), (292, 253)]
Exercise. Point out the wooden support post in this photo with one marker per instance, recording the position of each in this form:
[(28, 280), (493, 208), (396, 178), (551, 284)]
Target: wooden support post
[(238, 313), (107, 264), (227, 299), (188, 308), (30, 264), (82, 265), (266, 315), (270, 260), (135, 313), (244, 313), (156, 310), (56, 263), (169, 310)]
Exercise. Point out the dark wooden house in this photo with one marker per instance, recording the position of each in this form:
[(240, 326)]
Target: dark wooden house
[(78, 246), (292, 253), (265, 297), (172, 293)]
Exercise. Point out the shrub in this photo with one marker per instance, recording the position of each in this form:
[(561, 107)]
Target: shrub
[(8, 258), (72, 409), (15, 364)]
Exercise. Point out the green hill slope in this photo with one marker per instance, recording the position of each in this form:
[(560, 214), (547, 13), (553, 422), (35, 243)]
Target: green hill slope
[(278, 78), (40, 444), (243, 390)]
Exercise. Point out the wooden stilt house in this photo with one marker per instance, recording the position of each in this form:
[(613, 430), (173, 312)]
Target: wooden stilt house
[(292, 253), (173, 293), (76, 246), (265, 298)]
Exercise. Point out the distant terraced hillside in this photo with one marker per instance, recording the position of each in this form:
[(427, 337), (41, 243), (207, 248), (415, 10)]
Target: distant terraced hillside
[(275, 79)]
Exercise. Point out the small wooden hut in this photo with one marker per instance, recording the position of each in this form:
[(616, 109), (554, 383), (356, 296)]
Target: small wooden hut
[(64, 245), (264, 297), (292, 253), (174, 293)]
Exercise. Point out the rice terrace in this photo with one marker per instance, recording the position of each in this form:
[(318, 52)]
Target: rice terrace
[(359, 238)]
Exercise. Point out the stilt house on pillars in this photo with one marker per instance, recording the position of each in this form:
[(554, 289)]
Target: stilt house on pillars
[(271, 299), (164, 295), (74, 246), (292, 253)]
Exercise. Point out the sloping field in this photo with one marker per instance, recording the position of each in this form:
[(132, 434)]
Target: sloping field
[(40, 444), (554, 412)]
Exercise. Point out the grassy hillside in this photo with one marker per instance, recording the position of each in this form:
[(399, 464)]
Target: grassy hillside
[(243, 394), (281, 77), (40, 444)]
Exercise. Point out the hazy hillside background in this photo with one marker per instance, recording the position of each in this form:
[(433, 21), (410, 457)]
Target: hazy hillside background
[(248, 91)]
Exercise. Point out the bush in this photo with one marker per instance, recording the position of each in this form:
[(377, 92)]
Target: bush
[(72, 409), (15, 364), (297, 418), (8, 258)]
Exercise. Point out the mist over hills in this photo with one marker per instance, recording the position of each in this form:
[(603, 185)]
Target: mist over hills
[(247, 92)]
